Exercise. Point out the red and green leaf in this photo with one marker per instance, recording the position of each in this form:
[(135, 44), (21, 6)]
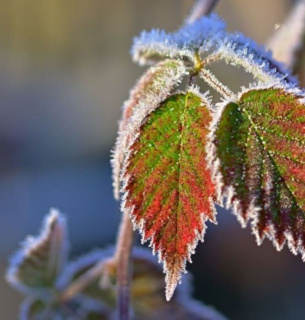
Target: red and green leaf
[(169, 191), (153, 88), (259, 142)]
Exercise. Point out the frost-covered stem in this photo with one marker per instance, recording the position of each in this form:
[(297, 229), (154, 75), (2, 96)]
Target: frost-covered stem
[(122, 257), (212, 58), (86, 279), (201, 8), (210, 79)]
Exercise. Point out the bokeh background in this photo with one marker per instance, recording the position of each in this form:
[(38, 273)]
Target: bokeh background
[(65, 70)]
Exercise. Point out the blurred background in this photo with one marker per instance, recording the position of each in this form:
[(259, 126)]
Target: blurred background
[(65, 70)]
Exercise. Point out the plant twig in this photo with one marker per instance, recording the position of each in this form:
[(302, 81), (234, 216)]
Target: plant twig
[(122, 258), (201, 8), (86, 279)]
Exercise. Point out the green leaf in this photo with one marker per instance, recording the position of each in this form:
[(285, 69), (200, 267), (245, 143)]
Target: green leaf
[(169, 191), (260, 146), (153, 87), (40, 261)]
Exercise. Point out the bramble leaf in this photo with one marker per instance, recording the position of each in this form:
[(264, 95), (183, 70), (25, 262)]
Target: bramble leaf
[(37, 265), (168, 187), (153, 87), (259, 142)]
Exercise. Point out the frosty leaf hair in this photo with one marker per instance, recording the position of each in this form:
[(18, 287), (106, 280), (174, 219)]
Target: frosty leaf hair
[(182, 44)]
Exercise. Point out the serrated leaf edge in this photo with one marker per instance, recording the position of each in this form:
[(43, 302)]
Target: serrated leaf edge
[(229, 192)]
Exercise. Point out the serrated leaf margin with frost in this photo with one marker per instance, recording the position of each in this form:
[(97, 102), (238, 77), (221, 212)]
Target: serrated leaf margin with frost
[(228, 192), (56, 219), (152, 88)]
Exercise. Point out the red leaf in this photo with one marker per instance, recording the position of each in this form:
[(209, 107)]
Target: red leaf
[(168, 187)]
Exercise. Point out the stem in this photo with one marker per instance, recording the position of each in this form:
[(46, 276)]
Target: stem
[(122, 257), (210, 79), (201, 8), (121, 260), (86, 279)]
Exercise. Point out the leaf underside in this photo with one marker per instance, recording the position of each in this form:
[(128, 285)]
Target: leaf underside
[(167, 183), (260, 144)]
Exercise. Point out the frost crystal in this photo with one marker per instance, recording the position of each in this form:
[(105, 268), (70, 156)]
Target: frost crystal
[(154, 87), (240, 51), (153, 45)]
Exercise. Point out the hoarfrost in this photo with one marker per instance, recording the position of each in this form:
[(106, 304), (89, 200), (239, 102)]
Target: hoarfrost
[(203, 33)]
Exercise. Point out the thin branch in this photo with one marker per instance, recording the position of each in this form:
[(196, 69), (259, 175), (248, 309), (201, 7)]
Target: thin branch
[(122, 258), (86, 279), (287, 40), (201, 8), (210, 79)]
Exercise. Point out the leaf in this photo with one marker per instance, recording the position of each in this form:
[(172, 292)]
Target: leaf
[(147, 287), (168, 188), (154, 87), (39, 262), (288, 38), (79, 308), (240, 51), (259, 142), (157, 45)]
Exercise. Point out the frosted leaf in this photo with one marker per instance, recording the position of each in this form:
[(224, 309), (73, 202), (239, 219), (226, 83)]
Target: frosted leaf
[(39, 262), (153, 87), (157, 44), (288, 39), (168, 188), (260, 165), (240, 51)]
